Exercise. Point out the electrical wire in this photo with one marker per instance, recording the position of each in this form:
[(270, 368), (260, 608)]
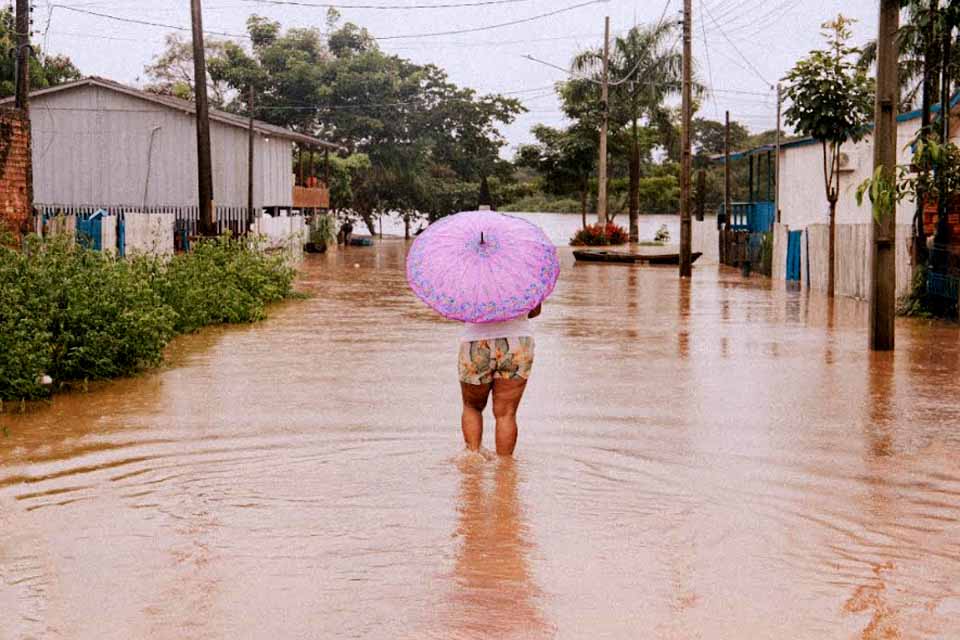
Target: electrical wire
[(340, 5), (501, 25), (380, 38), (735, 48), (706, 51)]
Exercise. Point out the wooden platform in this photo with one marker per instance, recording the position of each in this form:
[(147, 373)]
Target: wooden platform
[(627, 257)]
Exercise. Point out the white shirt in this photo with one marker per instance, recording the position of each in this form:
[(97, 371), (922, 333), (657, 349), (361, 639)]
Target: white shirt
[(516, 328)]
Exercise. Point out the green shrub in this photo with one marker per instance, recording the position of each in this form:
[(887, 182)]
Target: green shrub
[(77, 314), (596, 235), (222, 280), (540, 203), (24, 337)]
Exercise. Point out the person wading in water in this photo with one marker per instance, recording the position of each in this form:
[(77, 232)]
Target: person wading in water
[(495, 357)]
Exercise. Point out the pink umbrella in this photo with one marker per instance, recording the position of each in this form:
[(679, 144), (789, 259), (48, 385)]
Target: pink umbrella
[(481, 266)]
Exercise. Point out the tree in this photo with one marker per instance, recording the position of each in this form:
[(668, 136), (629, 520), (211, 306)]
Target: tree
[(171, 72), (566, 159), (45, 71), (709, 136), (831, 101), (422, 136), (645, 71)]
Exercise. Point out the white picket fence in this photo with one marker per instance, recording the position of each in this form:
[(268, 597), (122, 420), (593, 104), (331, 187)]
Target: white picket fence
[(281, 232)]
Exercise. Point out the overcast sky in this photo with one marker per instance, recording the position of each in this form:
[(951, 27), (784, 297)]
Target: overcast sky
[(741, 47)]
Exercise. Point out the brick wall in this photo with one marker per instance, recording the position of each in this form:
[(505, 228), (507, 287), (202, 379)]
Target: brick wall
[(14, 168)]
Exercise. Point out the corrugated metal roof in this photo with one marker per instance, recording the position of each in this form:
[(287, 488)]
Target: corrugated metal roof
[(185, 106)]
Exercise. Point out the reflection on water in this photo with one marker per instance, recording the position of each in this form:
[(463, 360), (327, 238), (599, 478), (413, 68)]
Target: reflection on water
[(719, 458), (493, 592)]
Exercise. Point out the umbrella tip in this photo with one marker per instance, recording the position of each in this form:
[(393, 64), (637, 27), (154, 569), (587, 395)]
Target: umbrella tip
[(481, 237)]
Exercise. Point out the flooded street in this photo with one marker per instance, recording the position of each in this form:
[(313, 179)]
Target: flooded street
[(712, 459)]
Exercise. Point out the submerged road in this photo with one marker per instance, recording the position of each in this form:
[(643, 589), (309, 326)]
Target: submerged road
[(711, 459)]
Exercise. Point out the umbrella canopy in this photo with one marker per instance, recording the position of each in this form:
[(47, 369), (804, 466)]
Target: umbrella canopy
[(481, 266)]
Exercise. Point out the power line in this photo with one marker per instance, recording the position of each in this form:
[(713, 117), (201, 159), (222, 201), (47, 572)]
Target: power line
[(385, 7), (395, 37), (735, 48), (706, 51), (496, 26), (148, 23)]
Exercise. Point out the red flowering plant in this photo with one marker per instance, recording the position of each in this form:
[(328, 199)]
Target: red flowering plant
[(596, 235)]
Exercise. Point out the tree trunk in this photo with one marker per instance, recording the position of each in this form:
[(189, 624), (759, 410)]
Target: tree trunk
[(406, 227), (832, 257), (634, 199), (583, 202), (368, 220)]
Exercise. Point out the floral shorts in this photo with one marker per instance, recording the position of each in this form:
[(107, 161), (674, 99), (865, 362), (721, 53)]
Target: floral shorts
[(504, 358)]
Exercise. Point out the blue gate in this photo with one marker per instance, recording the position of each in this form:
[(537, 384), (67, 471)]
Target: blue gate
[(793, 255), (90, 230)]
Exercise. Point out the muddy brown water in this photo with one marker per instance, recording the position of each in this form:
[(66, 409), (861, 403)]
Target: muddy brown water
[(715, 459)]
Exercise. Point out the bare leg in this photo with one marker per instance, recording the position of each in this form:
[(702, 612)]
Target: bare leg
[(506, 399), (474, 401)]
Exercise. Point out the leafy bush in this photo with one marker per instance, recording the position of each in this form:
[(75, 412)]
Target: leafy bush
[(222, 281), (663, 234), (77, 314), (595, 235), (543, 204)]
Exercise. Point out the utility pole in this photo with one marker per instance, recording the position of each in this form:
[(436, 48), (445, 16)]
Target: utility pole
[(204, 163), (776, 164), (727, 198), (23, 57), (250, 137), (604, 121), (883, 258), (22, 99), (685, 223)]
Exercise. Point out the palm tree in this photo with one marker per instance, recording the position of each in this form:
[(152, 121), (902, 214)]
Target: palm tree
[(645, 68)]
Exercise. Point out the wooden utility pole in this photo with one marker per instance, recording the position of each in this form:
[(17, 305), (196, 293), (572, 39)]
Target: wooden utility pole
[(22, 98), (883, 258), (685, 223), (776, 164), (727, 198), (204, 163), (23, 56), (604, 121), (251, 135)]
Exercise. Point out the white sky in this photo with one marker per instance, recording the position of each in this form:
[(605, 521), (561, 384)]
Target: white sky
[(748, 43)]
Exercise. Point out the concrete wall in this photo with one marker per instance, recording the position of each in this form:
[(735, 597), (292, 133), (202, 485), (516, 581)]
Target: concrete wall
[(289, 232), (95, 146), (148, 233), (14, 153), (706, 239), (803, 200)]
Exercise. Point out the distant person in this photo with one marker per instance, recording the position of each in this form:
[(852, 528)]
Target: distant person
[(347, 230), (497, 357)]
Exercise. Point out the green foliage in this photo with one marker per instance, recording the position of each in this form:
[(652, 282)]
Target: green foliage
[(598, 235), (77, 314), (45, 70), (323, 232), (913, 304), (543, 204), (831, 98), (933, 172), (222, 280)]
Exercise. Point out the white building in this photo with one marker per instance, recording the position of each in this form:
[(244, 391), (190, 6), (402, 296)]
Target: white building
[(804, 207), (98, 143)]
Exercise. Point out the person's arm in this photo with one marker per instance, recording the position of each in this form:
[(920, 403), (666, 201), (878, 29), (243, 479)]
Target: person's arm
[(535, 312)]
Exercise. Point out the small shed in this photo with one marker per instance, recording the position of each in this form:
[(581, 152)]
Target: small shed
[(99, 143)]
